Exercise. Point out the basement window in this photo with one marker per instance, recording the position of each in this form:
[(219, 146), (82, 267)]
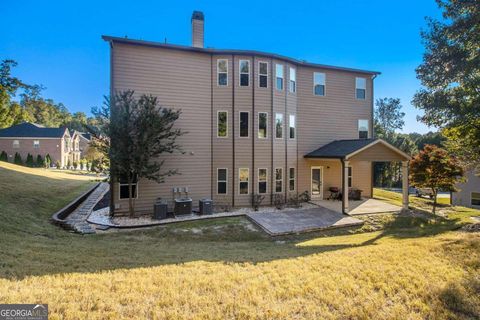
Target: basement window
[(222, 174), (243, 175), (123, 185), (278, 180), (262, 180), (291, 179)]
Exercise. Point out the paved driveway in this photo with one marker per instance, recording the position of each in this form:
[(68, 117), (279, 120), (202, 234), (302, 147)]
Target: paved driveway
[(302, 220)]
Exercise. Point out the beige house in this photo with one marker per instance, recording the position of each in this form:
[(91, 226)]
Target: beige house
[(258, 123), (469, 191)]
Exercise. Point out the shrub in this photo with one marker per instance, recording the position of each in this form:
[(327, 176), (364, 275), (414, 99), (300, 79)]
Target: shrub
[(94, 166), (17, 159), (257, 200), (47, 162), (39, 161), (29, 161), (295, 201), (305, 196), (69, 164), (3, 156), (278, 201), (75, 165), (57, 164)]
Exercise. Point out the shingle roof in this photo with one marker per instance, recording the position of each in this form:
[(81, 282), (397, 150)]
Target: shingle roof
[(31, 130), (339, 148)]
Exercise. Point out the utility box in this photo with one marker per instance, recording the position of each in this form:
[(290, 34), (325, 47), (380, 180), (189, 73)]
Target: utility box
[(205, 206), (183, 206), (160, 209)]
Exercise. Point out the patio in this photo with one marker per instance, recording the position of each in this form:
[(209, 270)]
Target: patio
[(359, 207)]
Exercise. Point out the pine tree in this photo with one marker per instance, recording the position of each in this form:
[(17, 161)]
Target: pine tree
[(29, 161), (3, 156), (39, 161), (17, 159)]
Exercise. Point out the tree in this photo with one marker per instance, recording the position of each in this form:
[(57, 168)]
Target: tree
[(29, 161), (17, 159), (47, 161), (450, 74), (3, 156), (388, 115), (39, 162), (8, 88), (140, 132), (434, 168), (69, 164)]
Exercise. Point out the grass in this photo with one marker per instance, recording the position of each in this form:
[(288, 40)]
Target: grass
[(408, 267)]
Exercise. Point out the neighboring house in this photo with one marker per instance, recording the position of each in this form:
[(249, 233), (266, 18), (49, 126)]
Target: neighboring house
[(80, 144), (35, 139), (257, 123), (469, 194)]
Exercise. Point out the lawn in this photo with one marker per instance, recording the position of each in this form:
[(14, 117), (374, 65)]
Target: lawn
[(226, 268)]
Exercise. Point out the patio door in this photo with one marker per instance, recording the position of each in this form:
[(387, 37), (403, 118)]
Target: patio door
[(317, 182)]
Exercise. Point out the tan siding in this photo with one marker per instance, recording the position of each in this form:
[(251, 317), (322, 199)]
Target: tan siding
[(378, 152), (463, 196)]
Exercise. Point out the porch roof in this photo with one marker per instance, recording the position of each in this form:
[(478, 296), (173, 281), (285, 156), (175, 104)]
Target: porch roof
[(346, 149)]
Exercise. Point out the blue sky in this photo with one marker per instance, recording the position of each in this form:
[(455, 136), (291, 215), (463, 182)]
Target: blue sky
[(57, 43)]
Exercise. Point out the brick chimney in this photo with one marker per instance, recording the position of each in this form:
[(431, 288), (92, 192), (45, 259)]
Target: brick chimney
[(197, 29)]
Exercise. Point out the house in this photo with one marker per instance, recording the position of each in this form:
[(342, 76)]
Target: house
[(257, 123), (35, 139), (469, 191), (80, 143)]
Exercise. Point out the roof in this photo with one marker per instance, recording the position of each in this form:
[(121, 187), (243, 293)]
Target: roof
[(343, 149), (232, 51), (31, 130)]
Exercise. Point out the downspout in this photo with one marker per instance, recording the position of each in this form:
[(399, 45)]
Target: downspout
[(372, 165), (112, 178), (213, 178), (272, 126), (253, 127), (343, 185), (233, 130)]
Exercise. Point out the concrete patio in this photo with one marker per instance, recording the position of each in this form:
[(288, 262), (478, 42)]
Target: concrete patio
[(359, 207), (302, 220)]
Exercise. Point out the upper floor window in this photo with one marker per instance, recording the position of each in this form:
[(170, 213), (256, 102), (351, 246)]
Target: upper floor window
[(16, 144), (244, 124), (222, 180), (279, 75), (262, 125), (222, 72), (291, 123), (363, 129), (244, 66), (263, 74), (243, 175), (222, 124), (36, 144), (293, 80), (319, 83), (279, 125), (262, 180), (361, 88)]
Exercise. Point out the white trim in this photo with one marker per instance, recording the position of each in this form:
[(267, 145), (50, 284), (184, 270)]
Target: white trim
[(324, 84), (368, 128), (240, 73), (275, 125), (218, 73), (275, 186), (290, 80), (262, 74), (294, 179), (319, 196), (248, 182), (258, 125), (282, 77), (365, 79), (226, 182), (266, 180), (221, 137), (386, 144), (295, 126), (239, 124)]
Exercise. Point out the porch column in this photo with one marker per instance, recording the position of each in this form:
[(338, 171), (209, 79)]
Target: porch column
[(405, 184), (345, 165)]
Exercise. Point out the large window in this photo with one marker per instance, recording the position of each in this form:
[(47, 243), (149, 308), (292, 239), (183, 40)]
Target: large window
[(360, 88), (244, 124), (262, 180), (243, 175), (291, 124), (263, 74), (244, 71), (278, 180), (293, 80), (279, 125), (363, 129), (262, 125), (16, 144), (36, 144), (319, 83), (291, 179), (124, 188), (222, 124), (349, 177), (222, 72), (222, 174), (475, 199), (279, 76)]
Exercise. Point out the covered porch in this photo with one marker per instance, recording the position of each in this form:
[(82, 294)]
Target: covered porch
[(342, 170)]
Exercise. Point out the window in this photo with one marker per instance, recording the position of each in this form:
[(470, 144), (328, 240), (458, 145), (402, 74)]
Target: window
[(243, 175), (293, 80), (279, 125), (475, 199), (279, 74), (262, 180), (222, 124), (361, 87), (222, 174), (291, 179), (244, 66), (349, 177), (262, 125), (244, 124), (222, 72), (36, 144), (319, 83), (16, 144), (278, 180), (124, 189), (363, 129), (291, 123), (263, 74)]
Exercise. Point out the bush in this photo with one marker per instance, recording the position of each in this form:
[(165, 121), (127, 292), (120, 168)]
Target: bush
[(295, 201), (47, 162), (278, 201), (305, 196), (257, 200), (39, 161), (57, 164), (75, 165), (29, 161), (17, 159), (94, 166), (69, 164), (3, 156)]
